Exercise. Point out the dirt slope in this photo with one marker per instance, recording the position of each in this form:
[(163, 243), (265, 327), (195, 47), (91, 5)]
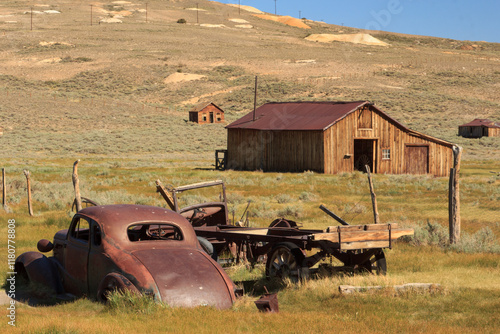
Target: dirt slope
[(107, 81)]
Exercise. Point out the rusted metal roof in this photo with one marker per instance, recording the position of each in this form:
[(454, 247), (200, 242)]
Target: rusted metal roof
[(297, 115), (317, 115), (482, 122), (203, 105)]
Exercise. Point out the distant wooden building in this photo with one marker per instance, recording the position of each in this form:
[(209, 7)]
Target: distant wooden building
[(332, 137), (206, 113), (479, 128)]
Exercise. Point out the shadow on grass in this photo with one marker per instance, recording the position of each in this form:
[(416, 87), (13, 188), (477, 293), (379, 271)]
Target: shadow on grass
[(33, 294)]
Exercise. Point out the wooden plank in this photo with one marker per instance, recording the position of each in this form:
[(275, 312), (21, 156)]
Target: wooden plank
[(364, 245), (361, 236), (378, 227), (165, 194), (423, 287), (370, 227)]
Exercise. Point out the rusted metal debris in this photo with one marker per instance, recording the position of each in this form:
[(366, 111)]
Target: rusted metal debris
[(268, 303), (142, 249)]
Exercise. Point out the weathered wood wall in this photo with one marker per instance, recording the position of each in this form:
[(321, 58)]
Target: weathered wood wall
[(203, 116), (332, 151), (470, 131), (339, 146), (493, 132), (288, 151)]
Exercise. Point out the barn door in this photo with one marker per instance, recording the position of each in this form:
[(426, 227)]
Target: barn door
[(364, 154), (211, 117), (417, 159)]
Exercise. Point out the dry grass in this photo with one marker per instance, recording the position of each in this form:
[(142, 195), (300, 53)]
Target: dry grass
[(98, 94), (470, 281)]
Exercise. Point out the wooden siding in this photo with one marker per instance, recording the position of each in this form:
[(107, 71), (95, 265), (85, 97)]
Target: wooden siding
[(287, 151), (471, 131), (339, 146), (332, 151), (493, 132), (209, 114)]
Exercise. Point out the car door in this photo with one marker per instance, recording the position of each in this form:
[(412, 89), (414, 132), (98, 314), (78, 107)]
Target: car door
[(76, 257), (100, 263)]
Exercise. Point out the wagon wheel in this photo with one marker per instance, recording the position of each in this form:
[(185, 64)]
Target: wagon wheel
[(376, 264), (283, 223), (285, 260), (86, 202), (362, 161)]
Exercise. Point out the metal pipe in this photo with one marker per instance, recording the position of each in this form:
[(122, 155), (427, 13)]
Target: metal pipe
[(255, 99)]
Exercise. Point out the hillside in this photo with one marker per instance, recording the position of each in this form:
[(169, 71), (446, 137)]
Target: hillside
[(73, 85)]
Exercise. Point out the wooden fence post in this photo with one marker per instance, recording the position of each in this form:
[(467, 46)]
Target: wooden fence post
[(28, 185), (76, 185), (4, 190), (374, 197), (454, 197)]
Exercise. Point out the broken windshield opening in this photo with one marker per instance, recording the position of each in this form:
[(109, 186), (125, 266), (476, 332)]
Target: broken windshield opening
[(152, 231)]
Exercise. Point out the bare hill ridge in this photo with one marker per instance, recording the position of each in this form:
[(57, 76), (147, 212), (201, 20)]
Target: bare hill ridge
[(110, 81)]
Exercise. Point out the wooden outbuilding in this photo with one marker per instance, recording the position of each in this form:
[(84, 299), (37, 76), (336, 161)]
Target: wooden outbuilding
[(479, 128), (331, 138), (206, 113)]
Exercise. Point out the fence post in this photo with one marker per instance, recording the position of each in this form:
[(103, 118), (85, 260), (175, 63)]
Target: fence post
[(76, 185), (374, 197), (28, 186), (454, 197), (4, 190)]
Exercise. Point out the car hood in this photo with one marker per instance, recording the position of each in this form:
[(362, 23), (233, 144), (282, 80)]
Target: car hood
[(187, 277)]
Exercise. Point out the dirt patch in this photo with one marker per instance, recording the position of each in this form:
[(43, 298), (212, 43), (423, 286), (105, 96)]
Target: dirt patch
[(197, 99), (247, 8), (111, 20), (182, 77), (238, 20), (288, 20), (42, 43), (365, 39), (206, 25)]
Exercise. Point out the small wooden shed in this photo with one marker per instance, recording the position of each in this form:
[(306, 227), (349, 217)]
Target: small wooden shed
[(332, 137), (479, 128), (206, 113)]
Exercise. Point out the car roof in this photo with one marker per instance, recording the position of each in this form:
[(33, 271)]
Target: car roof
[(115, 219)]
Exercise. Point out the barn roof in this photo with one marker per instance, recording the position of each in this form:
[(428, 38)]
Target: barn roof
[(298, 115), (482, 122), (203, 105), (317, 115)]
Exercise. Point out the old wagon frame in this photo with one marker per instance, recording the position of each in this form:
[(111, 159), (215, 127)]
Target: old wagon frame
[(289, 251)]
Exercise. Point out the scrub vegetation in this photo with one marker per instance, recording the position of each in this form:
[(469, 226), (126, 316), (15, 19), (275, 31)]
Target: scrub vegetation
[(70, 90)]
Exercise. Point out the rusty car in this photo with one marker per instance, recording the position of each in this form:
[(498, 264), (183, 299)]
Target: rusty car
[(143, 249)]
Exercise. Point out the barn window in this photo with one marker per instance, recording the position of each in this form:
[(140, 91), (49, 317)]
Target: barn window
[(204, 118), (386, 154), (365, 119)]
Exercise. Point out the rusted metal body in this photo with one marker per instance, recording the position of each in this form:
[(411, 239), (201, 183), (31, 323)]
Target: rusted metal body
[(283, 244), (139, 248)]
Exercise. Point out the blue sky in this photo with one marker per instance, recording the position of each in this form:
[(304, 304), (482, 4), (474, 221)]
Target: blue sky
[(456, 19)]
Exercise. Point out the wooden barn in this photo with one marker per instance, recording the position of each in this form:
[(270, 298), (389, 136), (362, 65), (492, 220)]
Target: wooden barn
[(206, 113), (332, 137), (479, 128)]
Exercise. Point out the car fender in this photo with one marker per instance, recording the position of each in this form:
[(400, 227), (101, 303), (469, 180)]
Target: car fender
[(112, 282), (37, 268)]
